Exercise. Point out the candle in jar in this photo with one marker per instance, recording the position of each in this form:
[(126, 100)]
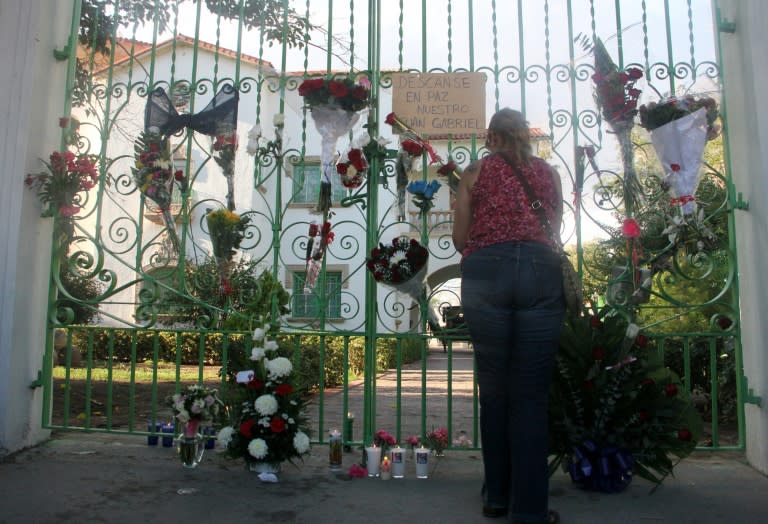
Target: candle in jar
[(422, 462), (372, 460), (386, 469), (167, 429), (397, 455), (334, 450)]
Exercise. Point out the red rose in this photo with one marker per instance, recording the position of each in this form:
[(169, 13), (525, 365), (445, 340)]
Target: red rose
[(359, 93), (598, 353), (283, 389), (595, 323), (684, 434), (634, 73), (179, 175), (630, 228), (411, 147), (342, 168), (647, 382), (246, 428), (447, 169), (254, 384), (670, 390), (674, 167), (338, 89), (391, 118), (641, 341), (643, 415), (277, 425), (310, 85), (313, 229), (588, 385)]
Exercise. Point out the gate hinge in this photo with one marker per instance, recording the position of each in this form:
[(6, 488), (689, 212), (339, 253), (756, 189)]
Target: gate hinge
[(741, 203), (38, 383), (61, 54), (749, 394)]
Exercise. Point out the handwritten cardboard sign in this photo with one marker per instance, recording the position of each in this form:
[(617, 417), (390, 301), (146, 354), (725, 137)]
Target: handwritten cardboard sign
[(440, 103)]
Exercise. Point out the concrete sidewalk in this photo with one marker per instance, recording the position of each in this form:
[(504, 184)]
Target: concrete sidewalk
[(106, 478), (84, 478)]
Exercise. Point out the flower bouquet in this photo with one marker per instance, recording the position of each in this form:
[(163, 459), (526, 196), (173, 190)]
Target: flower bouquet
[(401, 265), (437, 441), (334, 105), (383, 440), (154, 175), (192, 406), (58, 189), (316, 248), (616, 97), (267, 419), (352, 167), (224, 149), (227, 230), (680, 128), (615, 410), (423, 193)]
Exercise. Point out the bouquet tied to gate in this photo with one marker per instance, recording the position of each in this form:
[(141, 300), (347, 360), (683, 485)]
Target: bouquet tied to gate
[(335, 106), (680, 128), (154, 175), (227, 230), (61, 188), (401, 265)]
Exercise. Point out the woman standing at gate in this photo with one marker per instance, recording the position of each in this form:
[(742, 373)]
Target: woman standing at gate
[(512, 297)]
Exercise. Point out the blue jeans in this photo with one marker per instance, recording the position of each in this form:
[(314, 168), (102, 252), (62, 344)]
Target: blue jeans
[(512, 297)]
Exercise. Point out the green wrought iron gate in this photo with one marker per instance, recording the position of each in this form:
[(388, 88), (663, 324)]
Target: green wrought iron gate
[(143, 296)]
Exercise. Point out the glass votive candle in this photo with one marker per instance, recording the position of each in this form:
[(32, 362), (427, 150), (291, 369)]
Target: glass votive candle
[(167, 430), (422, 462), (152, 440), (373, 460), (397, 457)]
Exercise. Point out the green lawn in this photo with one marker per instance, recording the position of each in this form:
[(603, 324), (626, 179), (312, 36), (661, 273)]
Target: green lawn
[(143, 372)]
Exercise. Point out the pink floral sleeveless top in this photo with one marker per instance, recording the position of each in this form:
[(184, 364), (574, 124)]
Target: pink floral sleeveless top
[(501, 209)]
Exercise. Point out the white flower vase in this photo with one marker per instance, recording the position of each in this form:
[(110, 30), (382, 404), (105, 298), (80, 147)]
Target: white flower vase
[(681, 143), (332, 123)]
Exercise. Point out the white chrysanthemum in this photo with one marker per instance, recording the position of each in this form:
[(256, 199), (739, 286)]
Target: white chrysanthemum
[(301, 442), (257, 448), (397, 257), (257, 353), (285, 416), (183, 416), (278, 120), (225, 436), (258, 334), (252, 147), (271, 345), (291, 421), (265, 422), (293, 403), (278, 367), (266, 405)]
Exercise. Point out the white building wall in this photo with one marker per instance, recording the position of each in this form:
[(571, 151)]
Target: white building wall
[(745, 72), (32, 87)]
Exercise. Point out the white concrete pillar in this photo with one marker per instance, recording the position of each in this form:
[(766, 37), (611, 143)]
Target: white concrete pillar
[(745, 77), (31, 101)]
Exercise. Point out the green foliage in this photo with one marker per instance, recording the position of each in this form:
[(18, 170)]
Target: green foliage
[(612, 389), (82, 290)]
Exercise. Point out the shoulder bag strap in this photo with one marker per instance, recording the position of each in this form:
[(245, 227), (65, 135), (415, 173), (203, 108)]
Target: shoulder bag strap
[(535, 203)]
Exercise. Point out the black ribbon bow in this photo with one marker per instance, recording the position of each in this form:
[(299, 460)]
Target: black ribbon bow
[(217, 118)]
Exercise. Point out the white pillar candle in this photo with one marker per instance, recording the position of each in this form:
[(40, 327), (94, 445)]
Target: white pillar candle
[(372, 460), (422, 462), (397, 456)]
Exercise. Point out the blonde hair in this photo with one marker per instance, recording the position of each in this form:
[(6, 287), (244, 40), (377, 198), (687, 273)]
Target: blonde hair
[(511, 127)]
